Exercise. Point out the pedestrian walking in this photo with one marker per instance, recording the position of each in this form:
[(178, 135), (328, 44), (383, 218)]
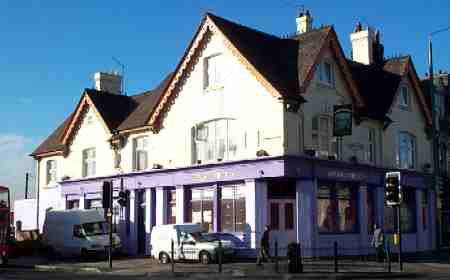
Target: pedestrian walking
[(378, 243), (264, 247)]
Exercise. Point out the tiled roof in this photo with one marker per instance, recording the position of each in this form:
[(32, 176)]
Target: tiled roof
[(275, 58), (378, 84), (118, 112)]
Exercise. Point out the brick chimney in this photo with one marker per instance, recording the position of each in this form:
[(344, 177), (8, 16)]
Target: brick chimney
[(108, 82)]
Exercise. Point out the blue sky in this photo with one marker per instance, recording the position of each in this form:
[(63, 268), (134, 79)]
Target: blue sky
[(49, 50)]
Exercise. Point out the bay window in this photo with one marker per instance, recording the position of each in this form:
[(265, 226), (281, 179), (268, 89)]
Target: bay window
[(140, 153), (232, 206), (201, 207), (322, 140), (406, 153), (336, 207), (89, 162), (216, 140), (51, 171)]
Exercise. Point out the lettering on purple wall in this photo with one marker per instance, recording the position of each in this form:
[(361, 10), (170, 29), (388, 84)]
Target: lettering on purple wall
[(213, 176)]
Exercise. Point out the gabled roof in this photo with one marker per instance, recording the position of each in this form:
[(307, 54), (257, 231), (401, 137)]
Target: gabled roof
[(379, 83), (118, 112)]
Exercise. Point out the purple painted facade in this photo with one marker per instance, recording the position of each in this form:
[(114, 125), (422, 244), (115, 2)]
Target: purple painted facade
[(304, 171)]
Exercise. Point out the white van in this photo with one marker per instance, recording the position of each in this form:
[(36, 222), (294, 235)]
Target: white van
[(77, 232), (189, 244)]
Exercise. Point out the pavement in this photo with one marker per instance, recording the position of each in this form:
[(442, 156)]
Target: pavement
[(431, 266)]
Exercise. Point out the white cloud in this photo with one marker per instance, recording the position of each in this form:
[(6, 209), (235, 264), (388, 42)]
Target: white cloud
[(15, 162)]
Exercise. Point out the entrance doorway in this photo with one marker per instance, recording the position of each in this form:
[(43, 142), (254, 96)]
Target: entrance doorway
[(140, 222), (283, 223)]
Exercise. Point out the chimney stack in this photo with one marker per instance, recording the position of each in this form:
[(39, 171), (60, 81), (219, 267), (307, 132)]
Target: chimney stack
[(304, 22), (366, 46), (108, 82)]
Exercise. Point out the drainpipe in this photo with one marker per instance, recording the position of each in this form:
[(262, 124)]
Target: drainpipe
[(38, 191)]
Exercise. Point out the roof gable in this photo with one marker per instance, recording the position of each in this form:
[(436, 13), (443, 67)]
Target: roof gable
[(270, 59), (312, 46)]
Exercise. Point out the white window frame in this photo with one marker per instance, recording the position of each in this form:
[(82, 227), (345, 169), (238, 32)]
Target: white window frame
[(323, 78), (202, 141), (411, 162), (323, 133), (404, 98), (213, 72), (140, 148), (51, 171), (89, 162)]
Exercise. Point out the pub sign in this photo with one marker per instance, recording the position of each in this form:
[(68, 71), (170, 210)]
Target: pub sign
[(342, 120)]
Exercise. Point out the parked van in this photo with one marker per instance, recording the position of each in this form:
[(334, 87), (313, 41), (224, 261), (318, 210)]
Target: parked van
[(190, 243), (77, 232)]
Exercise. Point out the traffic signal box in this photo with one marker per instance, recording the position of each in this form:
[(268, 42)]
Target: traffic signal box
[(107, 195), (393, 189), (123, 197)]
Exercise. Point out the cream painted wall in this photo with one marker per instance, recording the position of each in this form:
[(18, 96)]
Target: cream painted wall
[(320, 100), (411, 121)]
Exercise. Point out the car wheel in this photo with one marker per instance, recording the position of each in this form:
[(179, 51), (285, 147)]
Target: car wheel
[(84, 254), (204, 257), (164, 258)]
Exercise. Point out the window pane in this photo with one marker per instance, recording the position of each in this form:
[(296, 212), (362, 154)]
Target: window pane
[(240, 214), (274, 216), (289, 216), (346, 208)]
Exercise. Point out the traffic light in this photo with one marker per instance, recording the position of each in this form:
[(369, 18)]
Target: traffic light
[(123, 197), (107, 194), (393, 189)]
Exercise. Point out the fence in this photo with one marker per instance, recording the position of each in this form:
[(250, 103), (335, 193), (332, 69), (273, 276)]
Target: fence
[(291, 259)]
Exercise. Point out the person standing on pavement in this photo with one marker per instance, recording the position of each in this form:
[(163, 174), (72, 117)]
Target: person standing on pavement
[(378, 243), (264, 247)]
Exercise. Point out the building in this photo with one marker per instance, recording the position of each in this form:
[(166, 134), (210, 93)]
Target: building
[(240, 135)]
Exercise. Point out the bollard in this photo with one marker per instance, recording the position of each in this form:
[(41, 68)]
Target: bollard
[(336, 270), (219, 256), (300, 261), (388, 256), (171, 256), (276, 257)]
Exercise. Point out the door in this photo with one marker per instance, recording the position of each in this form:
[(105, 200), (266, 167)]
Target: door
[(282, 222), (140, 222)]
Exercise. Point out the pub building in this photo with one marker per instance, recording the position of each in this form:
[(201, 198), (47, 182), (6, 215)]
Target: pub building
[(257, 149)]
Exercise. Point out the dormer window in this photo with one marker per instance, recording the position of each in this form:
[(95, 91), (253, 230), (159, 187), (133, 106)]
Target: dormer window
[(404, 98), (325, 73), (213, 72)]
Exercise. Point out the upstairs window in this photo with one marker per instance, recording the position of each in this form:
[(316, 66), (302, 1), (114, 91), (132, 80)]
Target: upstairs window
[(371, 145), (404, 98), (213, 72), (322, 140), (51, 171), (216, 140), (406, 154), (89, 162), (140, 153), (325, 73)]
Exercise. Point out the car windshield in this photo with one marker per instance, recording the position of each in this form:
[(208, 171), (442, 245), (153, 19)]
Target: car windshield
[(200, 237), (96, 228)]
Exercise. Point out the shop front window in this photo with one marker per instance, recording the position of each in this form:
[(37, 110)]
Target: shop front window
[(232, 206), (424, 205), (370, 210), (336, 205), (201, 208), (171, 207), (73, 204), (407, 213), (216, 140)]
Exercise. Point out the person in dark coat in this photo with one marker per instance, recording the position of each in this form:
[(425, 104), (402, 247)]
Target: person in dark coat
[(264, 247)]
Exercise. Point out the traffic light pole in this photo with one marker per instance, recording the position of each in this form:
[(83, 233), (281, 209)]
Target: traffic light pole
[(109, 214), (399, 228)]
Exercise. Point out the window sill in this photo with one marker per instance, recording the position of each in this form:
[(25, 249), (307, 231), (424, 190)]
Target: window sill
[(213, 89), (326, 85)]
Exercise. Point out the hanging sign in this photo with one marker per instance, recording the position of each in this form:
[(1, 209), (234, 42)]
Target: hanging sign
[(342, 120)]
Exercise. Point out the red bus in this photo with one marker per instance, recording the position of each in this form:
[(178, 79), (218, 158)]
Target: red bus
[(5, 225)]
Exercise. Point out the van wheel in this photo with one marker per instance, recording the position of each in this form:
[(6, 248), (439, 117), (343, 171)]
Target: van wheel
[(84, 254), (204, 257), (164, 258)]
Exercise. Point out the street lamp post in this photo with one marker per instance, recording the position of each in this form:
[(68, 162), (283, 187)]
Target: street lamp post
[(435, 143)]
